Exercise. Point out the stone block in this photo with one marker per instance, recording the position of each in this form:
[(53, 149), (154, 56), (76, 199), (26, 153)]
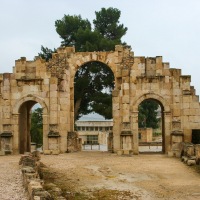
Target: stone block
[(186, 105), (115, 107), (191, 162), (119, 48), (36, 198), (53, 80), (115, 93), (53, 107), (170, 153), (53, 87), (125, 99), (53, 100), (185, 159), (47, 152), (2, 153), (126, 86), (125, 118), (28, 169), (53, 94), (128, 152), (177, 154), (125, 72), (120, 152), (55, 152), (176, 112)]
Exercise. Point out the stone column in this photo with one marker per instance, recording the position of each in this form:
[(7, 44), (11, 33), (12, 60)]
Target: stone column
[(15, 123), (167, 128), (116, 120), (45, 131), (134, 129), (53, 100)]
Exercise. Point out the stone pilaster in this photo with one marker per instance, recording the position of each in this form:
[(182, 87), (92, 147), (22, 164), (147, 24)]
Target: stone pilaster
[(167, 131), (134, 130)]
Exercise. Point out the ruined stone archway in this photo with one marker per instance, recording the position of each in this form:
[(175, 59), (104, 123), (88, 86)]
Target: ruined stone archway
[(22, 115), (164, 106), (136, 79)]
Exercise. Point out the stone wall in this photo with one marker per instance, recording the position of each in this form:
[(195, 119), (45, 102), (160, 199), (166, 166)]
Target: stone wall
[(30, 165), (51, 84), (145, 134), (73, 142)]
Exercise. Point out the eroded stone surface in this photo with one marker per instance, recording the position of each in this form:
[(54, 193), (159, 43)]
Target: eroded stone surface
[(51, 84)]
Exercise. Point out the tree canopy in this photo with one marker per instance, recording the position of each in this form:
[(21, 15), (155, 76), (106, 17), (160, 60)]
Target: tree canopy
[(94, 81), (147, 116), (93, 85), (78, 32), (36, 126)]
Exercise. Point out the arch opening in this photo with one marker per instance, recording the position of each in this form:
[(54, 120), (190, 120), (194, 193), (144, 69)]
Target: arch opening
[(30, 126), (151, 130), (93, 85)]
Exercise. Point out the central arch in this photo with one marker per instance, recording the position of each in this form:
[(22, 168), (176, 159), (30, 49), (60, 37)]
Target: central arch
[(92, 74)]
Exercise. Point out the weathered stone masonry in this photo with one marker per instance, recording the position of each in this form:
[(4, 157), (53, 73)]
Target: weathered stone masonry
[(51, 84)]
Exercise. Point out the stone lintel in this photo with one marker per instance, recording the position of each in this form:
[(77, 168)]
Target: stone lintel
[(6, 134), (187, 92), (53, 134), (126, 132), (177, 133)]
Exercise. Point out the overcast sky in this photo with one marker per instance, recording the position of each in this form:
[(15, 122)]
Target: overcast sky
[(168, 28)]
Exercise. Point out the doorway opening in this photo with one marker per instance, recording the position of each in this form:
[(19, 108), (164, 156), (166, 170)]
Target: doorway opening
[(93, 85), (196, 136), (30, 127), (151, 127)]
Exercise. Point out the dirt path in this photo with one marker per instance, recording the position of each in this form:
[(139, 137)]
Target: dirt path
[(105, 176), (10, 179)]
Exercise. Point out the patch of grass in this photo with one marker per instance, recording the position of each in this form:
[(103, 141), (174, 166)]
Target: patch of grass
[(69, 188), (53, 179), (105, 194), (197, 168)]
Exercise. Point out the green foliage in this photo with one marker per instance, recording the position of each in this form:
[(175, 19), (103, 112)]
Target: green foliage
[(107, 24), (69, 26), (37, 126), (157, 134), (75, 31), (46, 53), (93, 85), (147, 116), (93, 81)]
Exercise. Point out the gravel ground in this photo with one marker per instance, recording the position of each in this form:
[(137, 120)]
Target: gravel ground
[(10, 179), (106, 176)]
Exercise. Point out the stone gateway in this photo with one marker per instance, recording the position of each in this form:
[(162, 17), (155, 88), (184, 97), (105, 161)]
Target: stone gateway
[(51, 84)]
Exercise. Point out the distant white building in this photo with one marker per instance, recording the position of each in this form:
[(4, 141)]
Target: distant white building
[(95, 135)]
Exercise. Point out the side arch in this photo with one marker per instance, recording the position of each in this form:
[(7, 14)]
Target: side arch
[(157, 97), (30, 97), (22, 122), (166, 119)]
